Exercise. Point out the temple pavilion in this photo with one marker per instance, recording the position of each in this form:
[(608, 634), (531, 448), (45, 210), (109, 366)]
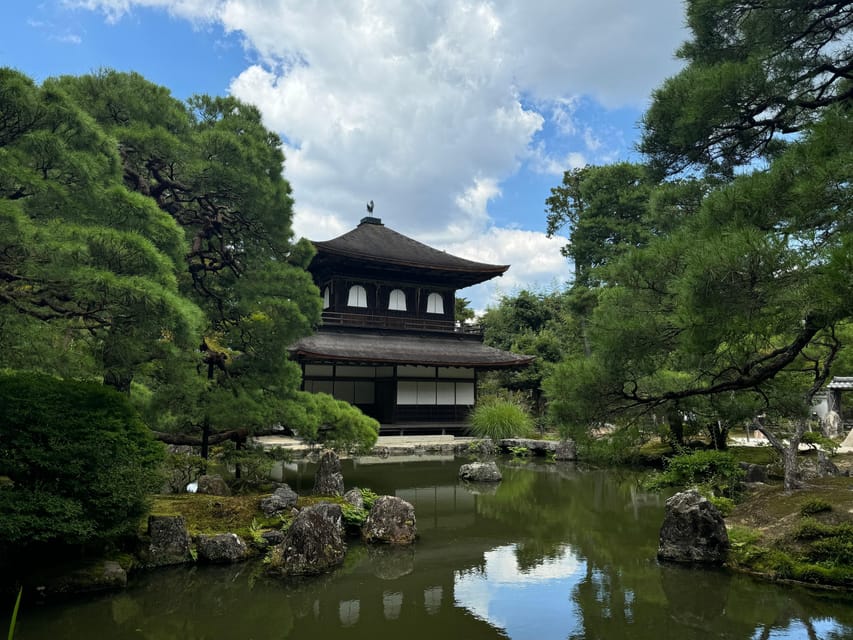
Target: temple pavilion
[(389, 343)]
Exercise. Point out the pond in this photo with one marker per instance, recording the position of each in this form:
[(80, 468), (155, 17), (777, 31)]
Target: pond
[(554, 551)]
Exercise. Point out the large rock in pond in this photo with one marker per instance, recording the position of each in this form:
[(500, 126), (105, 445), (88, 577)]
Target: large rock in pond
[(166, 543), (693, 531), (313, 544), (213, 485), (329, 481), (391, 521), (222, 548), (283, 499), (480, 472)]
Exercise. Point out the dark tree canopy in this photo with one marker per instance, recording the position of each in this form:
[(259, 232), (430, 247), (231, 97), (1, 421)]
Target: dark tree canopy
[(738, 299), (758, 71), (78, 463)]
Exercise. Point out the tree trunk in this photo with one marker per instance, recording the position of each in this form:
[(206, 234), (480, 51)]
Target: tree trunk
[(719, 434), (789, 453), (205, 438)]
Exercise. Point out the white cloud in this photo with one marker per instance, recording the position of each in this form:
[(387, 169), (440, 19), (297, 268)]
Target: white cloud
[(428, 107), (535, 262)]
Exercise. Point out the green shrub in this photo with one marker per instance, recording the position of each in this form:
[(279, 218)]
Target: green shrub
[(369, 497), (497, 418), (353, 516), (716, 471), (816, 440), (812, 507), (321, 419), (181, 469), (79, 459), (724, 505)]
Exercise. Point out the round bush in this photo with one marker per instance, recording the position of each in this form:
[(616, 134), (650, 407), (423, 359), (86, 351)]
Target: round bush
[(76, 462)]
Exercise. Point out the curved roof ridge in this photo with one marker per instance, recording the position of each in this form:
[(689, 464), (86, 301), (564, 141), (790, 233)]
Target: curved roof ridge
[(373, 241)]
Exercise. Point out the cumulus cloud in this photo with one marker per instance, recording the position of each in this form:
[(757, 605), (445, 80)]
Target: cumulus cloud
[(535, 263), (428, 107)]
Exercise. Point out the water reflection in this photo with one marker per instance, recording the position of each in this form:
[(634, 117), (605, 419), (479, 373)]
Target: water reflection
[(525, 602), (551, 552)]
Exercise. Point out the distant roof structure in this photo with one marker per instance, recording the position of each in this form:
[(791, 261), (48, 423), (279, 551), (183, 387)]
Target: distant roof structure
[(373, 245), (374, 348), (841, 382)]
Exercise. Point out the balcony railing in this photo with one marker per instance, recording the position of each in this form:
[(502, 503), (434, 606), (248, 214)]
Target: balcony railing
[(371, 321)]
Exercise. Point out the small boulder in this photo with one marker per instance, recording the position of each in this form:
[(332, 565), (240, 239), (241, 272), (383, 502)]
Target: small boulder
[(213, 485), (480, 472), (273, 537), (167, 542), (566, 450), (222, 548), (354, 497), (329, 481), (313, 544), (282, 499), (693, 531), (391, 521), (818, 466), (754, 472)]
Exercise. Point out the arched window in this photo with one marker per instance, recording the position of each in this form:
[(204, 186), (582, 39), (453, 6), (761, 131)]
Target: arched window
[(326, 298), (357, 296), (397, 301), (435, 303)]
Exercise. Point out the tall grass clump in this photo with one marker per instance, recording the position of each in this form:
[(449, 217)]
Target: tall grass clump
[(498, 418)]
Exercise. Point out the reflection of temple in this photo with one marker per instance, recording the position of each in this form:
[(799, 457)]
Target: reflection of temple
[(389, 343)]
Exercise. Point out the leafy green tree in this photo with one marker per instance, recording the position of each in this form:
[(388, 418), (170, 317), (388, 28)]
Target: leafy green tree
[(605, 208), (215, 169), (757, 73), (87, 268), (532, 323), (737, 307), (77, 460)]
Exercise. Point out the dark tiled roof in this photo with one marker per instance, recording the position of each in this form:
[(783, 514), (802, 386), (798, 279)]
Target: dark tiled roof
[(371, 241), (446, 351)]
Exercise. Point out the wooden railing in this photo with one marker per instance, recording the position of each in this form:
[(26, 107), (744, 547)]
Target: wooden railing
[(371, 321)]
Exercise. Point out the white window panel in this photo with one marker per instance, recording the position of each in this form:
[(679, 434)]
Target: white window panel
[(426, 392), (407, 392), (397, 301), (357, 296), (445, 393), (435, 303), (465, 393)]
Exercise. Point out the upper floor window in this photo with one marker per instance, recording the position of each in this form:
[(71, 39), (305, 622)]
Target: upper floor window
[(326, 298), (357, 296), (397, 301), (435, 303)]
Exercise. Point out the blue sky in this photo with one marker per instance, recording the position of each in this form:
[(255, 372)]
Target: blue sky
[(455, 117)]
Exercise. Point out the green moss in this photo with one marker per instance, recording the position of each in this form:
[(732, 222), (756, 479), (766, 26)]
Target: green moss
[(754, 455), (770, 536), (210, 515)]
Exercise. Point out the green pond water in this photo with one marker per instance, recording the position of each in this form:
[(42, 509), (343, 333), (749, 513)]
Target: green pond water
[(554, 551)]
